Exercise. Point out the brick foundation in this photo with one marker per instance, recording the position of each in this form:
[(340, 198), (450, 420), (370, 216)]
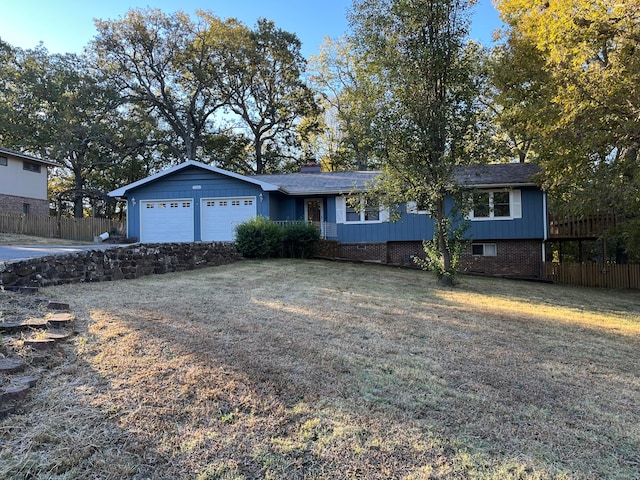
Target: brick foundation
[(516, 258), (375, 252), (328, 249), (13, 204), (402, 253)]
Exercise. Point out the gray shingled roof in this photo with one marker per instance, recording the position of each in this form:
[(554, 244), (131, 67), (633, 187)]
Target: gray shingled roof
[(323, 182), (494, 175), (497, 174), (24, 156)]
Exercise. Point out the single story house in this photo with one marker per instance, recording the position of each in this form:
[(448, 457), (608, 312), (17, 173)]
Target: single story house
[(23, 183), (198, 202)]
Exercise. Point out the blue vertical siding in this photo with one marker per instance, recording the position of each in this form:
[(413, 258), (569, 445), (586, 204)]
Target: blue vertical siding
[(181, 186), (531, 225), (412, 227), (278, 206)]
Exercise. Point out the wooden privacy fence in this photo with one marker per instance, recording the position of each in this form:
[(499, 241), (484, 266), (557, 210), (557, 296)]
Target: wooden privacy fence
[(609, 275), (83, 229)]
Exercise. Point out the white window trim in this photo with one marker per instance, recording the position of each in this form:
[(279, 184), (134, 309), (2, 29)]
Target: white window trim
[(515, 206), (341, 213), (412, 208)]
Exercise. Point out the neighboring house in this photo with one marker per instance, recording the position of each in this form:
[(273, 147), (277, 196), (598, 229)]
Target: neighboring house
[(23, 183), (197, 202)]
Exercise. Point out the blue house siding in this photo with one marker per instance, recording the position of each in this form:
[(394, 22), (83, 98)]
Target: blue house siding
[(194, 184), (518, 241), (409, 227), (415, 227), (530, 226)]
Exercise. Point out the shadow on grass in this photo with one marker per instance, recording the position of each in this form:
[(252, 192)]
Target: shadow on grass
[(292, 370)]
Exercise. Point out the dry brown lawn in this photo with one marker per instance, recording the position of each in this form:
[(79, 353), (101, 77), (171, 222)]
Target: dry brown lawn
[(16, 239), (320, 370)]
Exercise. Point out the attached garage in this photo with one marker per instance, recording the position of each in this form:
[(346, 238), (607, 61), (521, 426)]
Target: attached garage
[(167, 221), (220, 216), (193, 202)]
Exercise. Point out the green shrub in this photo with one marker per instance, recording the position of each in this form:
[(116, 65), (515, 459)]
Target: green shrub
[(259, 238), (301, 240)]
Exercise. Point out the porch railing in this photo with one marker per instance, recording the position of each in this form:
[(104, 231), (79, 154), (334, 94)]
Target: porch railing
[(585, 227), (328, 230)]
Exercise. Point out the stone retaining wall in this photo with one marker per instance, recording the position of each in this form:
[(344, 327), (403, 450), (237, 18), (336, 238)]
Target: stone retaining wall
[(132, 261)]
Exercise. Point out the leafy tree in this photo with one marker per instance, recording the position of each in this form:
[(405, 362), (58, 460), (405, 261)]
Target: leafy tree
[(191, 75), (56, 107), (589, 136), (346, 91), (162, 63), (264, 89), (417, 51), (515, 87)]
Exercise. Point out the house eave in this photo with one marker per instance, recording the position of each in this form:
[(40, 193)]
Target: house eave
[(31, 158), (122, 191), (499, 185), (312, 193)]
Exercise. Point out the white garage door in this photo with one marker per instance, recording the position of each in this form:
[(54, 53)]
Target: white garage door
[(221, 215), (166, 221)]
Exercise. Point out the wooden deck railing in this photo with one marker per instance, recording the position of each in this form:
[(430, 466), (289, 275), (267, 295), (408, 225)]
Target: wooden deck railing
[(580, 228)]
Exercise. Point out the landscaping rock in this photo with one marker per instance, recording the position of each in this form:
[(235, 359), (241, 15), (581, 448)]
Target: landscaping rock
[(39, 343), (56, 335), (15, 392), (59, 320), (58, 306), (113, 264), (29, 380), (11, 365)]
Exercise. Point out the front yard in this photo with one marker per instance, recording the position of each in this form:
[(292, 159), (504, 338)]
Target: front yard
[(311, 369)]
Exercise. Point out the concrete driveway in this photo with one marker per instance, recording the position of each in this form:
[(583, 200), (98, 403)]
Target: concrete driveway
[(12, 253)]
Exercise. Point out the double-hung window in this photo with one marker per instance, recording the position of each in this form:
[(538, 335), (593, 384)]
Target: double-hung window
[(496, 205), (359, 210)]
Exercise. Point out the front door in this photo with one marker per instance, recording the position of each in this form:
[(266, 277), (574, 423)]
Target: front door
[(314, 213)]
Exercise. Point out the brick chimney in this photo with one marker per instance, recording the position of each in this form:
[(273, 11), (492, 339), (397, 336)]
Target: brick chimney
[(312, 166)]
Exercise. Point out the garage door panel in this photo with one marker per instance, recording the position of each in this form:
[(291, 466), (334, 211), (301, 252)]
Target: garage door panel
[(220, 216), (167, 221)]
